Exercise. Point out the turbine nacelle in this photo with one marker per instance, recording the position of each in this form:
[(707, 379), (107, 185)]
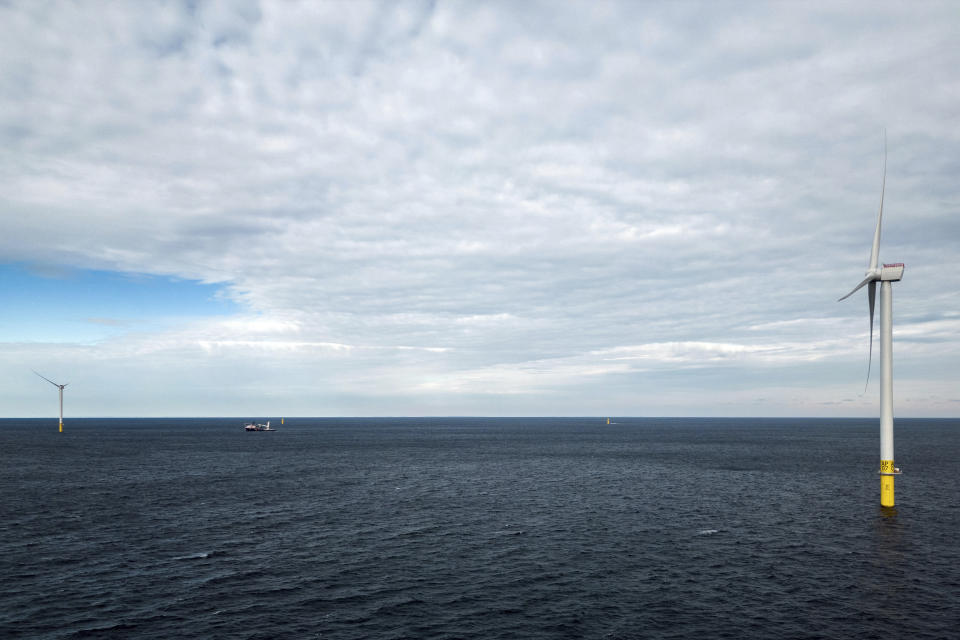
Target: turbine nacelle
[(891, 272)]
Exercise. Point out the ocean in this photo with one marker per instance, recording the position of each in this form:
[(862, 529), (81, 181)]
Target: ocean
[(477, 528)]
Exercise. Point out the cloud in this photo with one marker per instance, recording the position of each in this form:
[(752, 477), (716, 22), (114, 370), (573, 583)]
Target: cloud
[(482, 198)]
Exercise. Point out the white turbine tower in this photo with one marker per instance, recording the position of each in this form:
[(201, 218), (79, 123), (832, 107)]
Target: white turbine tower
[(60, 387), (884, 275)]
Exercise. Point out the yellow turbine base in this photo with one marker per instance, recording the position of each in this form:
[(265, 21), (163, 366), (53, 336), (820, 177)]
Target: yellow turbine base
[(886, 483), (61, 427)]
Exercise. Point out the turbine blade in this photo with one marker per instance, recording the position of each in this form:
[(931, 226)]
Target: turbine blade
[(870, 278), (872, 296), (875, 251), (47, 379)]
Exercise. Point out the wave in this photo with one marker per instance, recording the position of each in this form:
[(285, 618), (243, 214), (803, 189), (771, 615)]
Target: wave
[(196, 556)]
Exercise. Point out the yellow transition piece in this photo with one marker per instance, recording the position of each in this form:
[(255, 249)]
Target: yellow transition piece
[(886, 483)]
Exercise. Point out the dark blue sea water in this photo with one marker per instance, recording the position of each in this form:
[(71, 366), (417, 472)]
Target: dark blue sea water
[(477, 528)]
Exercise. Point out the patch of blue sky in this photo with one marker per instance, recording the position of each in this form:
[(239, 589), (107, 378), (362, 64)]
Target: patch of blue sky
[(53, 304)]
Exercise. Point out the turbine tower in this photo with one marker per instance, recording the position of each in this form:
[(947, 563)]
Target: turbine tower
[(60, 387), (885, 275)]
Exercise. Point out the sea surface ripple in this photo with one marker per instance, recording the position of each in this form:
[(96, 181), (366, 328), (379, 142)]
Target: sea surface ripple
[(476, 528)]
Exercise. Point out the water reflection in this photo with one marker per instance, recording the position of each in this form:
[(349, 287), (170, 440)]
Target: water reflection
[(889, 528), (888, 512)]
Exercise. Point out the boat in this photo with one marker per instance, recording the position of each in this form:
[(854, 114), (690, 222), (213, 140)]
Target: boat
[(257, 426)]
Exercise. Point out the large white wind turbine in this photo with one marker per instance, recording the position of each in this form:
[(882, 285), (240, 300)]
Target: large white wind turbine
[(60, 387), (884, 275)]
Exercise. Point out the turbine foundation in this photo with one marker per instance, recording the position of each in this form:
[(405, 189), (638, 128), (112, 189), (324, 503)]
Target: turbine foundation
[(887, 472)]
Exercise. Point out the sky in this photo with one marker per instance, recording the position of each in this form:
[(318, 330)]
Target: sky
[(462, 208)]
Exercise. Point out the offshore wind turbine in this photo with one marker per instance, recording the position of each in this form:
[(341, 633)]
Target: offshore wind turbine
[(885, 275), (60, 387)]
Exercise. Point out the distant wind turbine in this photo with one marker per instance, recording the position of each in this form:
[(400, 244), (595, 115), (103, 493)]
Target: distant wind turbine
[(60, 387), (885, 275)]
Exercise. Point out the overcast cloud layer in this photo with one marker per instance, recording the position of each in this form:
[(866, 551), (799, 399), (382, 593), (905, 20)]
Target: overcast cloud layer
[(485, 208)]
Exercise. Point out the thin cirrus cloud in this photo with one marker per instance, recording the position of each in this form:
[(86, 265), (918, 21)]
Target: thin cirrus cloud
[(483, 208)]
